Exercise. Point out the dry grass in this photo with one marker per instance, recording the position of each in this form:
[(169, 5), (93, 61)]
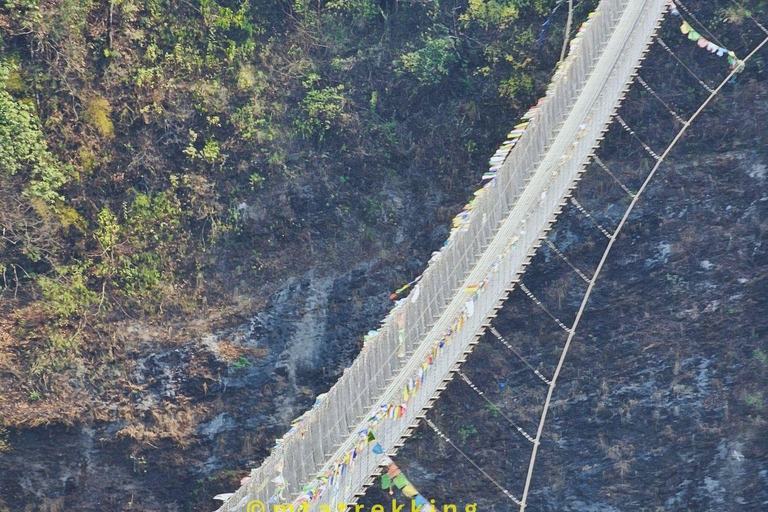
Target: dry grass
[(172, 422)]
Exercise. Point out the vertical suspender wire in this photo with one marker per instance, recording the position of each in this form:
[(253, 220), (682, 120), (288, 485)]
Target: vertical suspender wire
[(607, 251), (669, 51), (653, 93), (604, 167), (567, 30)]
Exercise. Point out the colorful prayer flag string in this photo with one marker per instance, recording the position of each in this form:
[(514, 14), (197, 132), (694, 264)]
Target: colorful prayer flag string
[(394, 477), (687, 30), (399, 291)]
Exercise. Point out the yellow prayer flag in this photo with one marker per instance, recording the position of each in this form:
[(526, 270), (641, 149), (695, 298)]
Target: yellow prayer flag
[(685, 27)]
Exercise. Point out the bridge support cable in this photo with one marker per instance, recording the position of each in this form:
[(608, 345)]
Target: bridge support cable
[(694, 75), (612, 175), (496, 408), (648, 88), (445, 438), (565, 259), (536, 301), (519, 355), (630, 131), (591, 218), (601, 264)]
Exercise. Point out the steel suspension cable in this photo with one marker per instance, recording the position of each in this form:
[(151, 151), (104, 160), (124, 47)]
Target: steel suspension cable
[(469, 459), (582, 307), (519, 355), (630, 131), (536, 301), (653, 93), (496, 408), (590, 217), (563, 257), (669, 51), (567, 30), (608, 171)]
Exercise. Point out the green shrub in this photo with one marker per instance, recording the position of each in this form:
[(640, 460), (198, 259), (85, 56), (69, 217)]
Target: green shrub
[(488, 13), (23, 147), (67, 294), (430, 64), (97, 115), (241, 363), (322, 107)]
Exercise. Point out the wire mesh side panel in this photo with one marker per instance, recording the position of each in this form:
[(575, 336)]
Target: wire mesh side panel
[(528, 202)]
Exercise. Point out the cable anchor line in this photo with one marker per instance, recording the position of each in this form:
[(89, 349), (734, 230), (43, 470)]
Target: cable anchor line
[(669, 51), (562, 256), (495, 407), (485, 474), (632, 133), (520, 356), (612, 175), (536, 301), (589, 216), (653, 93)]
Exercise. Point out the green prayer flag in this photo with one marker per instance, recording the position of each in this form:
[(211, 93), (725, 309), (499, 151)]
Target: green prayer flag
[(693, 35), (401, 481), (386, 482), (371, 437)]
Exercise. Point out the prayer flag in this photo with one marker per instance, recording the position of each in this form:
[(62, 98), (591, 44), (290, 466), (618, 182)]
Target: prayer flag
[(410, 491), (693, 35)]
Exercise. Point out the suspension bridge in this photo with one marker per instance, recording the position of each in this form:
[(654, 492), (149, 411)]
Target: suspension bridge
[(335, 450)]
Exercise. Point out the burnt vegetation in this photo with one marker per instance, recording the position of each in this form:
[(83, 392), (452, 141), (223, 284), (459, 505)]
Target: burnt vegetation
[(164, 164)]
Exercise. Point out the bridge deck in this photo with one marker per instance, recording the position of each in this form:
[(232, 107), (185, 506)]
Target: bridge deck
[(442, 319)]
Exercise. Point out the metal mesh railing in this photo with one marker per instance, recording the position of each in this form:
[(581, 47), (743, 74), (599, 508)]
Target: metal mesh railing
[(521, 203)]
